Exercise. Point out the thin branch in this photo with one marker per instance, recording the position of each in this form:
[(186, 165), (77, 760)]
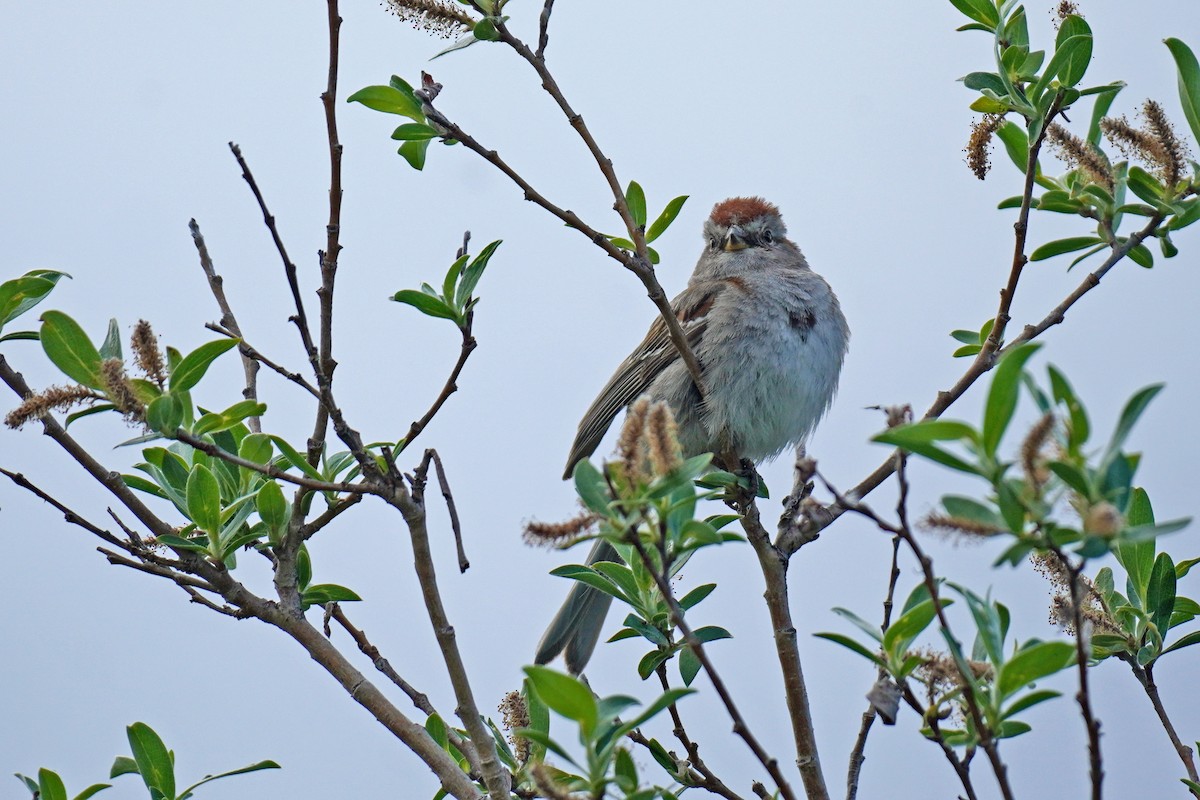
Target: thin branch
[(455, 525), (418, 698), (451, 386), (1082, 657), (70, 516), (774, 565), (248, 351), (544, 30), (333, 247), (217, 285), (270, 470), (961, 766), (1146, 679), (495, 777), (705, 778), (739, 723), (328, 515), (289, 268)]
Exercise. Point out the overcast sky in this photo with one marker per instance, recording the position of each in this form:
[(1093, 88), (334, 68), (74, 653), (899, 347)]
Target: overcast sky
[(847, 115)]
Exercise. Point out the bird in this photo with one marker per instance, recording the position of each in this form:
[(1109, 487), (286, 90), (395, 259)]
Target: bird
[(770, 338)]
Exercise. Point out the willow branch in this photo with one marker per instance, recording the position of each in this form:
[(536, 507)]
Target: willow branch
[(228, 321), (413, 508)]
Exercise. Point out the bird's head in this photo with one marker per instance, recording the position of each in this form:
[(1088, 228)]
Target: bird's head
[(743, 222)]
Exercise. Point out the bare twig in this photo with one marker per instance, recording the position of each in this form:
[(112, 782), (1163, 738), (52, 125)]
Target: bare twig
[(739, 723), (228, 321), (961, 766), (289, 268), (450, 387), (544, 30), (413, 507), (248, 351), (455, 525), (705, 778), (1146, 678), (70, 516), (418, 698)]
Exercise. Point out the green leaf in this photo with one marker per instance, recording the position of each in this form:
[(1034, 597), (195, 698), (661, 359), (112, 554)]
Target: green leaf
[(204, 499), (154, 762), (665, 219), (21, 294), (242, 771), (543, 740), (1032, 663), (1067, 64), (1183, 641), (693, 597), (982, 11), (1074, 67), (1141, 255), (665, 699), (123, 765), (925, 449), (323, 593), (971, 509), (1002, 396), (1160, 594), (193, 366), (111, 346), (485, 30), (1137, 557), (689, 665), (635, 198), (1189, 82), (591, 487), (50, 786), (565, 695), (414, 153), (850, 644), (1129, 417), (1016, 144), (430, 306), (273, 509), (414, 131), (1061, 246), (1030, 700), (70, 349), (592, 578), (903, 631), (473, 272), (1104, 100), (389, 100), (295, 459)]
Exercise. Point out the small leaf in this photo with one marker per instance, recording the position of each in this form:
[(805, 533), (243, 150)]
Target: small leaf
[(1061, 246), (323, 593), (191, 369), (982, 11), (21, 294), (111, 347), (693, 597), (1160, 594), (1032, 663), (154, 762), (591, 487), (565, 695), (414, 153), (430, 306), (414, 131), (1002, 396), (850, 644), (1189, 82), (473, 272), (665, 219), (389, 100), (204, 499), (635, 198)]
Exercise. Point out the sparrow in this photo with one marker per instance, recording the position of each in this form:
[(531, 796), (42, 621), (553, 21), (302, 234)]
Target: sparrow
[(770, 338)]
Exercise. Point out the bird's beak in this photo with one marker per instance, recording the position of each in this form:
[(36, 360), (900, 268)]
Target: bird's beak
[(735, 241)]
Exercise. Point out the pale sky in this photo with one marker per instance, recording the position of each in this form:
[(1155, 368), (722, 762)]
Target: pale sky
[(847, 115)]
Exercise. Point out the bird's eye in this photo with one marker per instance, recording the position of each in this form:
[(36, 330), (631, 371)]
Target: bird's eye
[(713, 243), (768, 237)]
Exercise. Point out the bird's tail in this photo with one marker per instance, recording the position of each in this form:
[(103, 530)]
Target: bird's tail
[(575, 629)]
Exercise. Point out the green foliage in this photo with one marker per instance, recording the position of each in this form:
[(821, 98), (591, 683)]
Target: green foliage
[(456, 300), (21, 294), (606, 768), (660, 509), (151, 760), (1095, 187), (635, 198)]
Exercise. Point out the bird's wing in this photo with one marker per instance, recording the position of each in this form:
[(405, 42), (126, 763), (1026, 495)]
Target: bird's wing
[(638, 371)]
